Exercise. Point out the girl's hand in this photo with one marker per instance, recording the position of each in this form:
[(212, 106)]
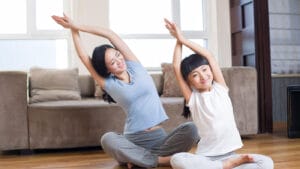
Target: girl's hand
[(173, 29), (64, 21)]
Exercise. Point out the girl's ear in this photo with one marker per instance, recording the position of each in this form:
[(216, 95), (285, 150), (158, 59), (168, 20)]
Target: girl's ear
[(189, 83)]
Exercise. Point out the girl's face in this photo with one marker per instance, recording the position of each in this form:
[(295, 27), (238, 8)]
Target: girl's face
[(201, 78), (114, 61)]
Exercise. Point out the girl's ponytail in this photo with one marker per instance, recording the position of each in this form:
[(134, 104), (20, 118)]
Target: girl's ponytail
[(186, 111)]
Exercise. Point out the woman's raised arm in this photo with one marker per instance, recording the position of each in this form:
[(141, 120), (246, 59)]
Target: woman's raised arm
[(84, 57), (118, 43), (81, 52)]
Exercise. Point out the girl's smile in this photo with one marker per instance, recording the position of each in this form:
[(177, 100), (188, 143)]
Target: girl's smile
[(201, 78)]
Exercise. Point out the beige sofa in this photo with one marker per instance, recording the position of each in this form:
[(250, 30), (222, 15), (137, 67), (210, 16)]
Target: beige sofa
[(80, 123)]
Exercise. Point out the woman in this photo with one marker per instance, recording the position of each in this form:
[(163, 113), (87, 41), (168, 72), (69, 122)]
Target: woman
[(117, 70)]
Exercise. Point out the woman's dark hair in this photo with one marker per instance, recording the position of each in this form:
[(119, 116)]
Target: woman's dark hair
[(187, 65), (98, 62), (106, 97)]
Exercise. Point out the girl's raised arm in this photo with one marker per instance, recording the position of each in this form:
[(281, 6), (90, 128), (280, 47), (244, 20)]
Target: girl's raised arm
[(216, 70), (186, 91)]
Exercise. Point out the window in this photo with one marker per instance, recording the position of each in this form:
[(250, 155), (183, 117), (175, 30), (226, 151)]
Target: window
[(140, 23), (29, 37), (9, 24)]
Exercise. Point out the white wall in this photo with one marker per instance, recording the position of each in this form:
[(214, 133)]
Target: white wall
[(220, 31), (89, 12), (95, 12)]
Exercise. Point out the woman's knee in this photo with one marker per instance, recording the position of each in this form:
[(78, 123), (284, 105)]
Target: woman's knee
[(107, 139), (192, 130)]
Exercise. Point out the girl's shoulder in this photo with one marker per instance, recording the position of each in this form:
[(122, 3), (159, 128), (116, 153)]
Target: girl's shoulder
[(218, 86), (215, 87)]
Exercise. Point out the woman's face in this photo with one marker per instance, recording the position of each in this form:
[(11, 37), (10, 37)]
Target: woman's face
[(114, 61), (201, 78)]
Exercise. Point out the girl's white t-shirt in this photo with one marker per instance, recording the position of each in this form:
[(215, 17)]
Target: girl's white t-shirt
[(212, 113)]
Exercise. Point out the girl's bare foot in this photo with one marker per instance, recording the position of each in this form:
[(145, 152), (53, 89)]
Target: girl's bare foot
[(234, 162)]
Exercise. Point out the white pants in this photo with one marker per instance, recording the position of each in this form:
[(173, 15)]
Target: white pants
[(194, 161)]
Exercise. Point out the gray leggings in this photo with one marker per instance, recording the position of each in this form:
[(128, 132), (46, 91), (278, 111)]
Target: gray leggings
[(190, 161), (143, 148)]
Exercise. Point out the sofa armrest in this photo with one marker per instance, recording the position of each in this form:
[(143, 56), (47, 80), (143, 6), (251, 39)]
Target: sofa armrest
[(242, 84), (13, 110)]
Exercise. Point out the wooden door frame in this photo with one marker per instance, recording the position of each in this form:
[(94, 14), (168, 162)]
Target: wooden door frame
[(263, 64)]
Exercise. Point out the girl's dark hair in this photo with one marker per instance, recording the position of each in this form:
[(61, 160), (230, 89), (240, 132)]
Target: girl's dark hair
[(187, 65), (186, 110), (98, 62)]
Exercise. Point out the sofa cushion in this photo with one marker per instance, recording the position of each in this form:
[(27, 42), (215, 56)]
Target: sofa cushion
[(53, 84), (242, 84), (98, 91), (158, 81), (170, 86), (86, 85), (72, 123), (66, 104)]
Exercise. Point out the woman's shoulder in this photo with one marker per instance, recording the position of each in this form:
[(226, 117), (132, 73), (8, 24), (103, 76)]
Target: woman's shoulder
[(134, 65)]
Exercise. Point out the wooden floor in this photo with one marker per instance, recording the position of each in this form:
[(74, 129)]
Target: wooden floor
[(284, 151)]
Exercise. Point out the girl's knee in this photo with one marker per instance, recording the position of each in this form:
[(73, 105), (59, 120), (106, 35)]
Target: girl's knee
[(177, 161), (268, 163), (191, 128), (180, 160), (264, 161)]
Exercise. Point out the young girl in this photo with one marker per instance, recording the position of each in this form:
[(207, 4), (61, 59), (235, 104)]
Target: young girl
[(117, 70), (206, 94)]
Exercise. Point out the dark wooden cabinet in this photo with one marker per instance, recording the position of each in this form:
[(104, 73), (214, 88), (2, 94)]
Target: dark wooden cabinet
[(251, 47)]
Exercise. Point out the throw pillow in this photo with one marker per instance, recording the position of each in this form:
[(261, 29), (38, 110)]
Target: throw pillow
[(170, 86), (98, 91), (54, 84)]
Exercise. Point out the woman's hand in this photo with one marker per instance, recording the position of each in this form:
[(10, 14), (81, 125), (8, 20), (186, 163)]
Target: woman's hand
[(64, 21), (174, 30)]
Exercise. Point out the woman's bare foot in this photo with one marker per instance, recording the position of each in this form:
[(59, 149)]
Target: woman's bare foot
[(234, 162), (164, 161), (129, 165)]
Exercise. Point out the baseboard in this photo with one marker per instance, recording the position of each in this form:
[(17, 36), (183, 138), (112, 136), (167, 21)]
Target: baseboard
[(280, 126)]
